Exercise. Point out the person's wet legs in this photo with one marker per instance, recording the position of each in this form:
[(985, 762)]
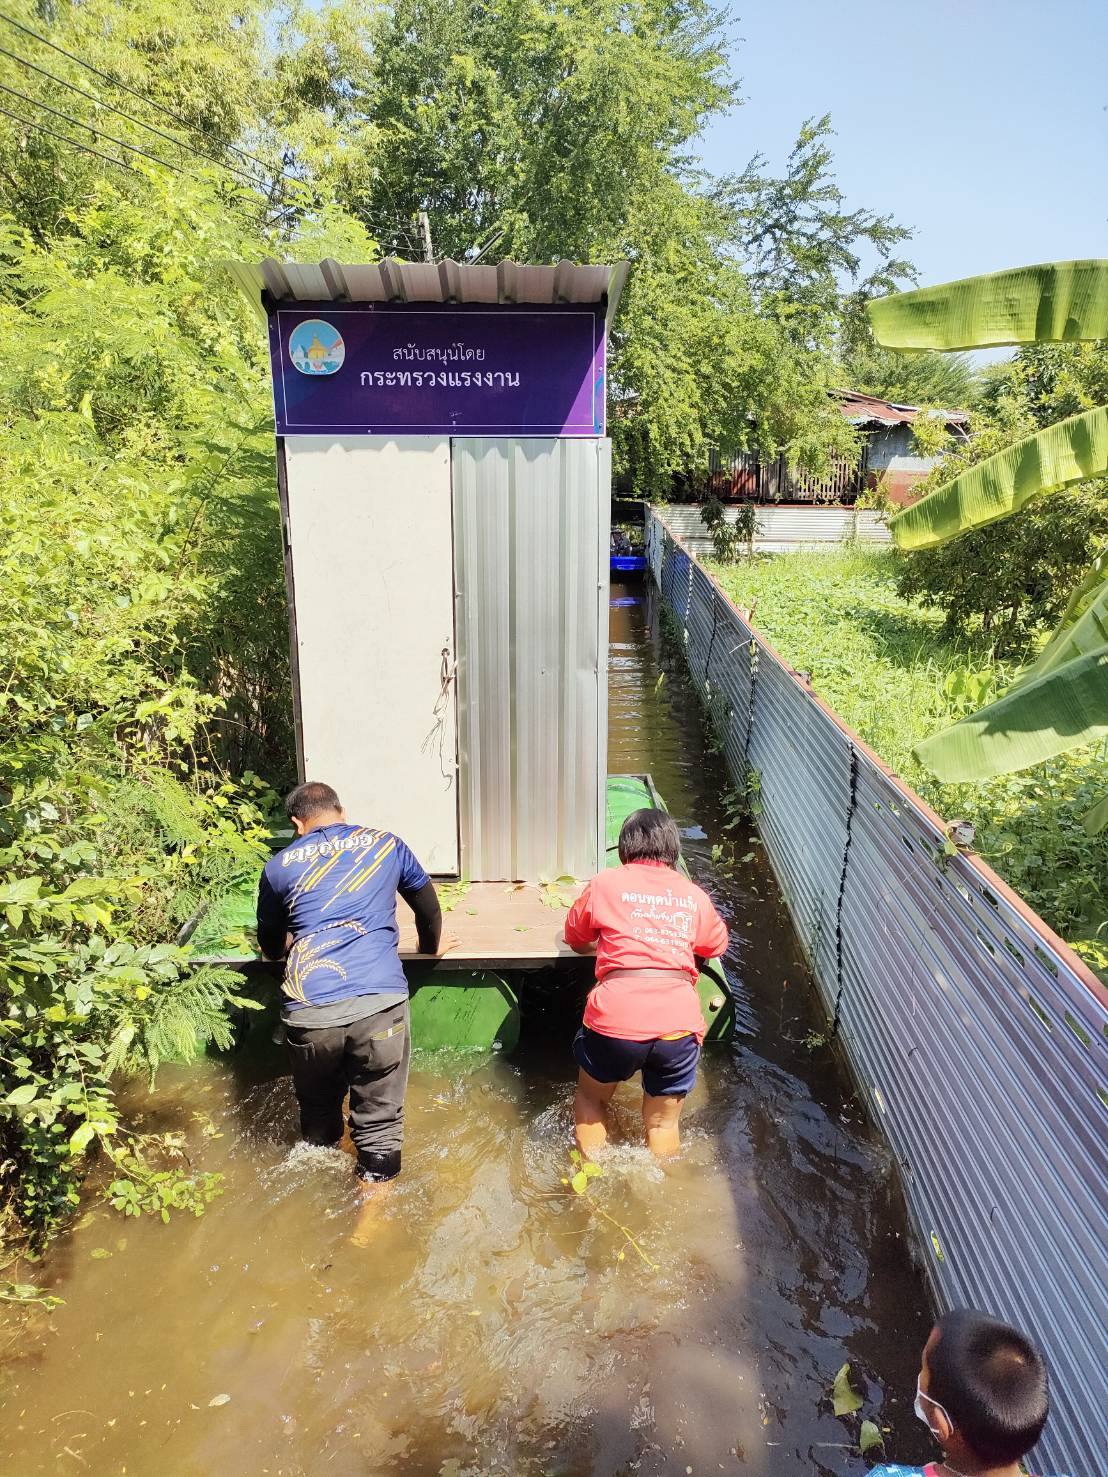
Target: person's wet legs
[(590, 1112), (661, 1116), (316, 1058), (377, 1056)]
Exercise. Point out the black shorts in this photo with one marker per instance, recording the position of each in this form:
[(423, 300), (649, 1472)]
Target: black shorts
[(668, 1067)]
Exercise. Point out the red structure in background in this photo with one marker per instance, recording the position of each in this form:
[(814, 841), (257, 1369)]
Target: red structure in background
[(889, 459)]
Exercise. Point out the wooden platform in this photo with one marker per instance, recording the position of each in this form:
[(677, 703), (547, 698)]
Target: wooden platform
[(491, 924)]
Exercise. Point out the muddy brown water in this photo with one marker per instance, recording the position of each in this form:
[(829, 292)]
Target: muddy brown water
[(483, 1319)]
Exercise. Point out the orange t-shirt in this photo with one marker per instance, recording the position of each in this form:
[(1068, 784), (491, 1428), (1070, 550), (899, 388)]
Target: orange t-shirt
[(645, 916)]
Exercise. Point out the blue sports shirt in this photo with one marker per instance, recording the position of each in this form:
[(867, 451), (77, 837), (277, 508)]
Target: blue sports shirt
[(886, 1470), (335, 891)]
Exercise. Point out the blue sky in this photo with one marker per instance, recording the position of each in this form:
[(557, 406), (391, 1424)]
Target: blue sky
[(981, 124)]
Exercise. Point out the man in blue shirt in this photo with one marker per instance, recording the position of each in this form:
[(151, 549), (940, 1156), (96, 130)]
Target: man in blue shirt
[(327, 905)]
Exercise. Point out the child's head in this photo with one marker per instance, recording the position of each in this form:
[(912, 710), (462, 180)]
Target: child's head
[(649, 836), (982, 1389)]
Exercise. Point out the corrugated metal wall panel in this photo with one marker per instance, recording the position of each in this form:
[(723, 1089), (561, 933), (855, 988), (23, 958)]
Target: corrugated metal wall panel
[(783, 529), (979, 1041), (531, 572)]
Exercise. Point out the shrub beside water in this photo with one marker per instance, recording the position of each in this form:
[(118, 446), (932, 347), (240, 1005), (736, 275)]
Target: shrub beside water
[(891, 670), (142, 660)]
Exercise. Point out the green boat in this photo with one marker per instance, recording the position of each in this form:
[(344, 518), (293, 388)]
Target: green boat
[(508, 945)]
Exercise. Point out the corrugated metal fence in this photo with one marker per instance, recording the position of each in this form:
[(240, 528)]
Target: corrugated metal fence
[(782, 530), (979, 1040)]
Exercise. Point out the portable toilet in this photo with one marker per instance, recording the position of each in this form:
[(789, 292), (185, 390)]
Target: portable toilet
[(445, 483)]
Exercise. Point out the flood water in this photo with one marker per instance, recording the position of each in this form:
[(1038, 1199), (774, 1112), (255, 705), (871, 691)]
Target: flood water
[(482, 1318)]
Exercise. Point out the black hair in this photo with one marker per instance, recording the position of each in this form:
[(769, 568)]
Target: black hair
[(991, 1381), (310, 799), (649, 836)]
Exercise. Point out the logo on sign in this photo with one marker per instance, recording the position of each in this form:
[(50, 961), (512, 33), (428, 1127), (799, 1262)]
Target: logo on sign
[(315, 347)]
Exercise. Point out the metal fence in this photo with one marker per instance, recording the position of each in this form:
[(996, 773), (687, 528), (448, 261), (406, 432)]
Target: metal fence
[(782, 530), (978, 1039)]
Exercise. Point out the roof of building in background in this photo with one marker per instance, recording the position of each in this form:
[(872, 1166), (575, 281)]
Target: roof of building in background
[(396, 281), (868, 410)]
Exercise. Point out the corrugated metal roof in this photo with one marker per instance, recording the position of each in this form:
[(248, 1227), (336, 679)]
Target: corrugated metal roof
[(394, 280), (867, 410)]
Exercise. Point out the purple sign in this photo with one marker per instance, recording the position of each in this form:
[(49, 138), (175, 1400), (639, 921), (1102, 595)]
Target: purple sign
[(382, 369)]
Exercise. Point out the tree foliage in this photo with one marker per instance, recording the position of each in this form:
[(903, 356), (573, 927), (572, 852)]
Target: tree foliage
[(141, 612), (800, 243), (538, 132), (142, 619), (944, 381)]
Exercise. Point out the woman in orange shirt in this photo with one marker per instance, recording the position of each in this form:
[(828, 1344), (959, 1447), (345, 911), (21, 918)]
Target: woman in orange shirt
[(648, 926)]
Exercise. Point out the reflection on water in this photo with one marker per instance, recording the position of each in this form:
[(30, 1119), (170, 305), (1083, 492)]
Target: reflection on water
[(480, 1318)]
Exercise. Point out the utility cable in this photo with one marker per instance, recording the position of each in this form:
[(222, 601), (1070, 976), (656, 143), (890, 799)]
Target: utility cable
[(96, 132), (122, 113), (142, 97), (27, 123)]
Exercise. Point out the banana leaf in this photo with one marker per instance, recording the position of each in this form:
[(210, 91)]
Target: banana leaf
[(1070, 451), (1083, 627), (1058, 711), (1055, 303)]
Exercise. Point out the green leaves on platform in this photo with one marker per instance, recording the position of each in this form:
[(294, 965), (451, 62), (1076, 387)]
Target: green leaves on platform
[(1055, 302), (1071, 451)]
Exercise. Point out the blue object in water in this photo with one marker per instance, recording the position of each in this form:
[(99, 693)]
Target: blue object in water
[(628, 563)]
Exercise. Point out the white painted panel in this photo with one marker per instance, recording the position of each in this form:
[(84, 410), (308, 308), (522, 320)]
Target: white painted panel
[(373, 584)]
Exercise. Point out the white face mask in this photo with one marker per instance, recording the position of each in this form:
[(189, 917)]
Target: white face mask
[(921, 1414)]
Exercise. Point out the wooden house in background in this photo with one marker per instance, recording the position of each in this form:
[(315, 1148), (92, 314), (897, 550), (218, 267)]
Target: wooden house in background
[(889, 458)]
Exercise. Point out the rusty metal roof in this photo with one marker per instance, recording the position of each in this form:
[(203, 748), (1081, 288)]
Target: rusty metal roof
[(394, 280), (867, 410)]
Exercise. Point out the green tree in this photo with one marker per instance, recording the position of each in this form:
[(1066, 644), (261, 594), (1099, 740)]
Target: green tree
[(946, 381), (538, 132), (800, 246)]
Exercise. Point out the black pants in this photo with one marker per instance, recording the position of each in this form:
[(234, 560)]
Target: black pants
[(369, 1059)]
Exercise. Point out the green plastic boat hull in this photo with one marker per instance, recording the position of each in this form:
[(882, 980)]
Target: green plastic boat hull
[(462, 1010)]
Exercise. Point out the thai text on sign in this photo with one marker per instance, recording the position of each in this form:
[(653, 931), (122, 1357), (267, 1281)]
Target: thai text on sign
[(380, 369)]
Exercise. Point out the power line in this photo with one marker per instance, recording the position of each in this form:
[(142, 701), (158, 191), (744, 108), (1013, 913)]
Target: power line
[(96, 132), (27, 123), (142, 97), (395, 231), (122, 113)]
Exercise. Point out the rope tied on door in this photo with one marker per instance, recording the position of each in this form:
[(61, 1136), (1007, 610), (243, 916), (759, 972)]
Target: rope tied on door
[(436, 737)]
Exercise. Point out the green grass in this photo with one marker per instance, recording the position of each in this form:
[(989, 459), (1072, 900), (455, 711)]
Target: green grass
[(883, 664)]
